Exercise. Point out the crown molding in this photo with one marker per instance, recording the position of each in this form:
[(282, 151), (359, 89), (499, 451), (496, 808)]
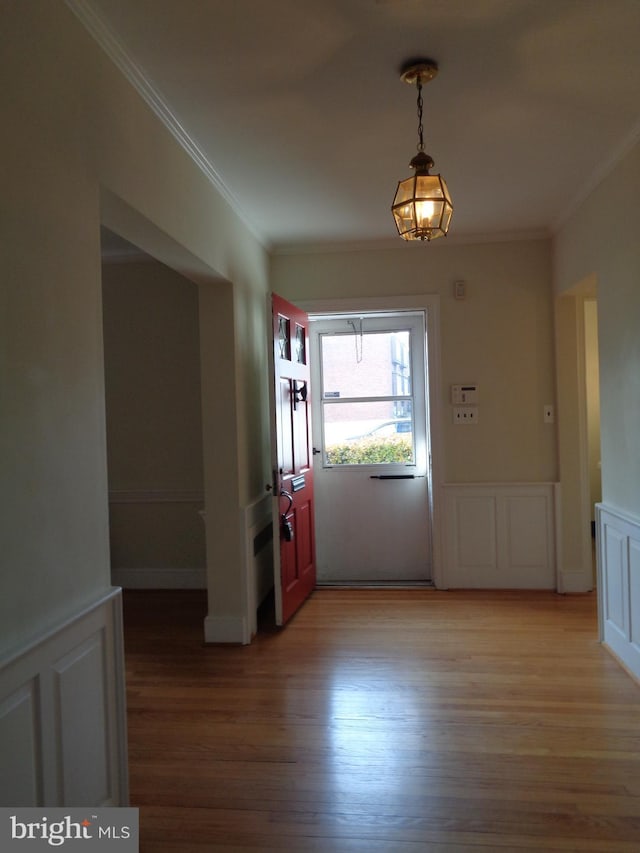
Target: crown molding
[(600, 174), (115, 50), (395, 243)]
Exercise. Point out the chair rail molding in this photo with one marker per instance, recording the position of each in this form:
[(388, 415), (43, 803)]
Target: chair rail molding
[(146, 496)]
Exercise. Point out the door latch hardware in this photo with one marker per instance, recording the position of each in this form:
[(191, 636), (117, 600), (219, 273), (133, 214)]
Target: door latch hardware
[(298, 483), (396, 476), (287, 529), (299, 393), (285, 525)]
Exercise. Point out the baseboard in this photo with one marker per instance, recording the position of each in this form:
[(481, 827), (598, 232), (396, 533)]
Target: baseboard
[(226, 629), (63, 721), (574, 581), (194, 578)]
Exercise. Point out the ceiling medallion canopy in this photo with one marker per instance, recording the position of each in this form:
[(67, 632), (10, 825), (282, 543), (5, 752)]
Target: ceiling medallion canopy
[(422, 207)]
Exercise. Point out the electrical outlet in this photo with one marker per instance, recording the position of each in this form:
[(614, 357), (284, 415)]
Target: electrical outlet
[(465, 414)]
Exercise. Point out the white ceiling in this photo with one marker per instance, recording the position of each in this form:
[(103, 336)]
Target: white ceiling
[(298, 111)]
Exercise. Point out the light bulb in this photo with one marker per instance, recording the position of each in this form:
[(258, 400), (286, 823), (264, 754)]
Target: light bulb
[(424, 213)]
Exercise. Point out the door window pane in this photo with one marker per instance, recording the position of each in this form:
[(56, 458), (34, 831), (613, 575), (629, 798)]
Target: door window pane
[(300, 346), (283, 338), (367, 403), (373, 364), (368, 433)]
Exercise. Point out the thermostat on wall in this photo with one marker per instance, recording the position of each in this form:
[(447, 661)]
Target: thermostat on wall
[(464, 395)]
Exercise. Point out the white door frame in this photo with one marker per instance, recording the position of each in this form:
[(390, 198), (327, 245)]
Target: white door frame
[(574, 564), (430, 304)]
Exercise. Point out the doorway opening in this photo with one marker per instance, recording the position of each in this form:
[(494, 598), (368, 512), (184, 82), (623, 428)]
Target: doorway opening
[(592, 404), (578, 433), (154, 421), (372, 448)]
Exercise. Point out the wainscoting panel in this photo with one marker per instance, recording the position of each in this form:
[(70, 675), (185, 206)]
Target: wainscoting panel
[(615, 580), (63, 714), (634, 594), (20, 768), (527, 531), (499, 536), (475, 532), (80, 690), (619, 584)]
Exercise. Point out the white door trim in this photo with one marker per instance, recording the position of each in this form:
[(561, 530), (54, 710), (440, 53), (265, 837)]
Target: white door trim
[(430, 304)]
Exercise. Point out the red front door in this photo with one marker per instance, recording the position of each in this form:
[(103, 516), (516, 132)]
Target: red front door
[(294, 539)]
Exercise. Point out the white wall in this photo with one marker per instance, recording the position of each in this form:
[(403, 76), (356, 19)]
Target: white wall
[(601, 239), (600, 242)]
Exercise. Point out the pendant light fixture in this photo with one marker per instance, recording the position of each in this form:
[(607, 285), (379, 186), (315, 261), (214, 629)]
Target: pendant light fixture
[(422, 206)]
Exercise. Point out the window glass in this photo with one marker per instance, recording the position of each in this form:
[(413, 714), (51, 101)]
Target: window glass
[(372, 364), (367, 405)]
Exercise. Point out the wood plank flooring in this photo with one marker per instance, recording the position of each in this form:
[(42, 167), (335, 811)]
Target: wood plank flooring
[(385, 721)]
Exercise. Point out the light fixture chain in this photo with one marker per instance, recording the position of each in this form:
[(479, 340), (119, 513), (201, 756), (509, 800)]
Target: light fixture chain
[(420, 126), (422, 207)]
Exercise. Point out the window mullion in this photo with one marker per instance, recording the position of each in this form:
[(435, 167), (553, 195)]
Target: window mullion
[(390, 398)]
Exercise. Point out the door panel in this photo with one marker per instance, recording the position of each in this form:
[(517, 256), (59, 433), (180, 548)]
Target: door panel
[(285, 428), (372, 478), (372, 530), (294, 538)]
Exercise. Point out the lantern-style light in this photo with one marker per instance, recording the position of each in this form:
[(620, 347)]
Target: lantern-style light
[(422, 206)]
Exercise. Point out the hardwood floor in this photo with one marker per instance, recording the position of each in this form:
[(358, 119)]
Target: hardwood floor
[(384, 721)]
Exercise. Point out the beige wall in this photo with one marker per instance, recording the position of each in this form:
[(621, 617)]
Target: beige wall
[(80, 135), (80, 142), (154, 417), (500, 337), (601, 239)]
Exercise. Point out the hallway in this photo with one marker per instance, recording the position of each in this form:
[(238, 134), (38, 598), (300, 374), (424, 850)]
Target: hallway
[(383, 721)]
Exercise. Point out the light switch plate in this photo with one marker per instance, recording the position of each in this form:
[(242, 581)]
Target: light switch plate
[(466, 395)]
